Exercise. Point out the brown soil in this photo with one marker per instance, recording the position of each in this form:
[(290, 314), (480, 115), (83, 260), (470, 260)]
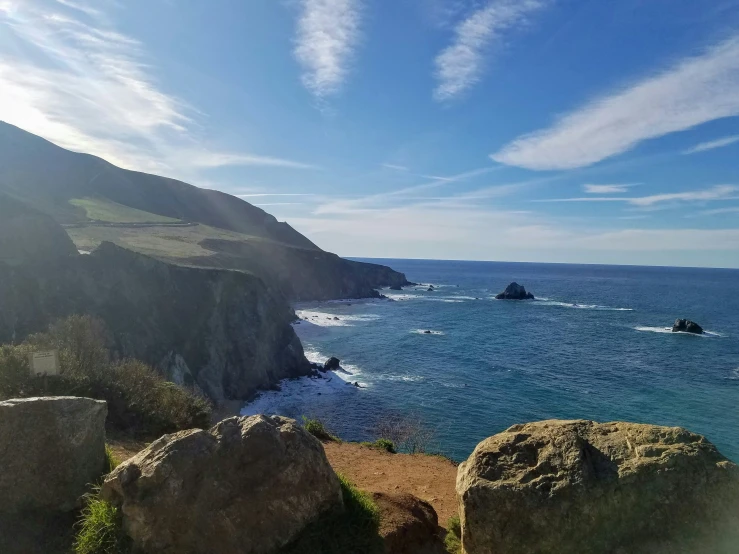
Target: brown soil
[(430, 478)]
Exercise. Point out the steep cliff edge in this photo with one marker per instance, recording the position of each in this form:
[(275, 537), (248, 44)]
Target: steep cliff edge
[(224, 331)]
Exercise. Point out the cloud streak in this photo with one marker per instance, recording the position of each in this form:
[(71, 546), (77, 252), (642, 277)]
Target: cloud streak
[(711, 145), (461, 64), (606, 189), (694, 91), (718, 192), (327, 35), (81, 84)]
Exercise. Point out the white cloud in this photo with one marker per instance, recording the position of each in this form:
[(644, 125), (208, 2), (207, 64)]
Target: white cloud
[(395, 167), (718, 143), (89, 88), (328, 33), (84, 8), (694, 91), (606, 189), (720, 211), (461, 64), (717, 192)]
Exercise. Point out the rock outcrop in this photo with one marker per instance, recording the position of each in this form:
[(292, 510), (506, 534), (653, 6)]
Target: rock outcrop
[(580, 486), (226, 332), (408, 525), (332, 364), (514, 291), (51, 450), (248, 486), (686, 326)]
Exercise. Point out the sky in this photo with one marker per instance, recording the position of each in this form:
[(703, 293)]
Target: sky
[(580, 131)]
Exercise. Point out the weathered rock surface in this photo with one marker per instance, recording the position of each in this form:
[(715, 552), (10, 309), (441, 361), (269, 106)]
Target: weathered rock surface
[(51, 450), (580, 486), (408, 525), (514, 291), (248, 485), (332, 364), (686, 326), (225, 332)]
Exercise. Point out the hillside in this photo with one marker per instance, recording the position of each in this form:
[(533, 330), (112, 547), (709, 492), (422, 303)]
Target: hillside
[(174, 221)]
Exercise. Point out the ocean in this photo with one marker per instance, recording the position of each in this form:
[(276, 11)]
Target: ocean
[(595, 344)]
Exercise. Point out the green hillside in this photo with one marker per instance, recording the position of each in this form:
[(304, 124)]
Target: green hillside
[(99, 209)]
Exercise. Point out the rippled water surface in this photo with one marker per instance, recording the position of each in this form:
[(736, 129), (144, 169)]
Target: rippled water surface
[(595, 344)]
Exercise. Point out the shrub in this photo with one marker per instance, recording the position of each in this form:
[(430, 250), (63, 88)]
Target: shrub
[(351, 529), (139, 399), (408, 433), (316, 428), (453, 539), (386, 444), (100, 529)]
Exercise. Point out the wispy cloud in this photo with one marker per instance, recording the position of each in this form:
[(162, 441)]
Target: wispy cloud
[(461, 64), (327, 35), (718, 192), (80, 83), (695, 91), (606, 189), (721, 211), (395, 167), (710, 145), (263, 194)]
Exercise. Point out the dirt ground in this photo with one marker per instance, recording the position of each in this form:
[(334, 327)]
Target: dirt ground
[(430, 478)]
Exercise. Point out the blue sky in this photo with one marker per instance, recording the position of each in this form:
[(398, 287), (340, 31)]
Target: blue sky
[(586, 131)]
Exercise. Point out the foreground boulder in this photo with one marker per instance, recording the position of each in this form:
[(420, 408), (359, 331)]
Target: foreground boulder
[(51, 450), (249, 485), (514, 291), (408, 525), (686, 326), (580, 486)]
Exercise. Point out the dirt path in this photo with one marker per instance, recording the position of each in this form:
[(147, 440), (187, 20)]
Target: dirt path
[(430, 478)]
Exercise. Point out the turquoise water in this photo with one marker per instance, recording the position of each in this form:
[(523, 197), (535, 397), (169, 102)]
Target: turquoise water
[(593, 345)]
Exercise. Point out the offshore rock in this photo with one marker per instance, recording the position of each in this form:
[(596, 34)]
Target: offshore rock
[(332, 364), (579, 486), (247, 486), (514, 291), (686, 326)]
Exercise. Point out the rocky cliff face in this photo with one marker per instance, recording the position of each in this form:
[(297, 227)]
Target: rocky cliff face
[(224, 331)]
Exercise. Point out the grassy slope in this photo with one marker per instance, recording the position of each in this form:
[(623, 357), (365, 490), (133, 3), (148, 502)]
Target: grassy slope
[(99, 209)]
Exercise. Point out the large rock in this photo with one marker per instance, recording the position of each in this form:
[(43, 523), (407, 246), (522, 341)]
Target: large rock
[(514, 291), (686, 326), (248, 485), (580, 486), (408, 525), (51, 450)]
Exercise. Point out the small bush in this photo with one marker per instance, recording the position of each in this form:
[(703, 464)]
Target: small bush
[(140, 401), (100, 530), (316, 428), (408, 433), (352, 529), (385, 444), (453, 539)]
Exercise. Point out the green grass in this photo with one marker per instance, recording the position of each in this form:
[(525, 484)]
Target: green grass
[(351, 530), (381, 444), (99, 209), (100, 530), (453, 539), (317, 428), (111, 462)]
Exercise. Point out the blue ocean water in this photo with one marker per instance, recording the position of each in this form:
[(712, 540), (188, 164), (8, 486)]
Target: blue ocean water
[(595, 344)]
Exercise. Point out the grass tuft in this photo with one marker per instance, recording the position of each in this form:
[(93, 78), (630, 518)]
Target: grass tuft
[(100, 530), (453, 539), (317, 428), (353, 529), (111, 461)]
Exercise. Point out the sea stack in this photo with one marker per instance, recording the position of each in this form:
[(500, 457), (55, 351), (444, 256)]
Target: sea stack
[(514, 291), (687, 326)]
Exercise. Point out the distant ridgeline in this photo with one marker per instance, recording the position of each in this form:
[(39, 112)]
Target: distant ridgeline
[(161, 269), (174, 221)]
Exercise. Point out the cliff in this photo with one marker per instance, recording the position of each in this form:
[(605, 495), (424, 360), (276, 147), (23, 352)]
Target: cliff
[(225, 331)]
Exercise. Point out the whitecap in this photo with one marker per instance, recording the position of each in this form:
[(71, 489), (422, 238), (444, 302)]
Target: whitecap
[(576, 306), (734, 375), (408, 378), (668, 330), (427, 332)]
